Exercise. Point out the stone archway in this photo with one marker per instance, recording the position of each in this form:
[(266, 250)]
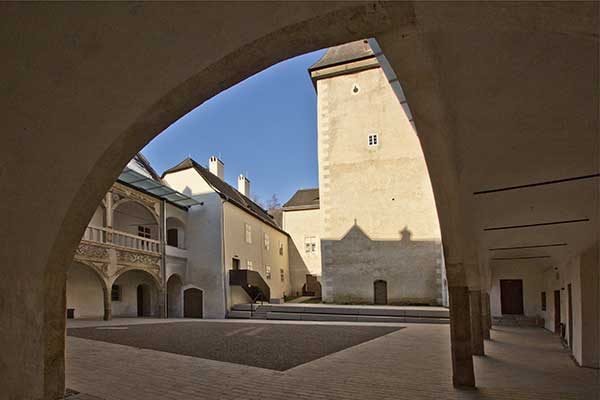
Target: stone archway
[(139, 294), (174, 297), (87, 292), (160, 81)]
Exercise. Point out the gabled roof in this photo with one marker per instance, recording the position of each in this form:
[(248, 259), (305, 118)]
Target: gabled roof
[(303, 199), (141, 165), (226, 191), (139, 175), (344, 53)]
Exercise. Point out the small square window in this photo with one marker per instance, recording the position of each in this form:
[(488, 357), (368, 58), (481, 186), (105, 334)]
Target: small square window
[(373, 140), (144, 232), (268, 272), (310, 245)]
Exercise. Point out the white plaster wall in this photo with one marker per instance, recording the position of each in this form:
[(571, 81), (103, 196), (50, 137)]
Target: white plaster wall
[(203, 240), (236, 246), (300, 224), (84, 292), (551, 283), (98, 217), (533, 284), (179, 222), (384, 189), (570, 274), (583, 272), (590, 303), (129, 281)]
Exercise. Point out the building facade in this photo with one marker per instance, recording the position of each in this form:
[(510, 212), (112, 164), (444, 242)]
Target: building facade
[(236, 243), (151, 250), (377, 238)]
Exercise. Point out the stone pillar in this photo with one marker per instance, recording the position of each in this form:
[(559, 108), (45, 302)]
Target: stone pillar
[(53, 334), (476, 323), (108, 217), (107, 303), (485, 315), (460, 337)]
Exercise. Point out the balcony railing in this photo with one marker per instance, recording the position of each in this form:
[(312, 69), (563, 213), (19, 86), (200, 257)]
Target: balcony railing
[(121, 239)]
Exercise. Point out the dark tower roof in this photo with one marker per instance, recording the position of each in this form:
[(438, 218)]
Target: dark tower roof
[(303, 199), (344, 53)]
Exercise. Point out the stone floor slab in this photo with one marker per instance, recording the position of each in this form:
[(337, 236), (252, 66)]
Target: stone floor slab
[(412, 363)]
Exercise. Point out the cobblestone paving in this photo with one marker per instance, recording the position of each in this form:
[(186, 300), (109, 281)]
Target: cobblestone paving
[(412, 363), (272, 346)]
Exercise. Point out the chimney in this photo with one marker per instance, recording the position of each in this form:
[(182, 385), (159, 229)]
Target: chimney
[(244, 185), (216, 167)]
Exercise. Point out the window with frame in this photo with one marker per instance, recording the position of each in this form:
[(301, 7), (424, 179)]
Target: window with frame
[(373, 140), (268, 272), (115, 293), (280, 248), (248, 231), (310, 244), (144, 232), (249, 265), (282, 274), (543, 301), (267, 242)]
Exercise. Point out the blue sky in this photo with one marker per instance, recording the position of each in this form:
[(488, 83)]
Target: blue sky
[(265, 127)]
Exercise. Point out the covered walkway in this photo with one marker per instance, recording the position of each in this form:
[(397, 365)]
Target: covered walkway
[(406, 364)]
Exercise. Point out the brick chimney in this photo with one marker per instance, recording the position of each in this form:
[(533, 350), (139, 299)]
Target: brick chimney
[(216, 167), (244, 185)]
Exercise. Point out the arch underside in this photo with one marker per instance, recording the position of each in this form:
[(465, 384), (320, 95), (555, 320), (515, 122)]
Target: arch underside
[(470, 82)]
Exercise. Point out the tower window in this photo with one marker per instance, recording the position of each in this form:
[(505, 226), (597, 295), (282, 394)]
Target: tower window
[(373, 140)]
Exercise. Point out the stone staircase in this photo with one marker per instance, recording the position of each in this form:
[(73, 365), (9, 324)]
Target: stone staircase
[(350, 313), (518, 320)]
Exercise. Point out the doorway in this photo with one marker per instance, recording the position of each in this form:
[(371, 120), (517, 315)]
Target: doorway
[(140, 301), (144, 305), (511, 296), (380, 289), (192, 303), (557, 311), (570, 313)]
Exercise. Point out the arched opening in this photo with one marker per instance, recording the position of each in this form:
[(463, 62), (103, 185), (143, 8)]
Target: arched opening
[(175, 232), (192, 303), (380, 292), (174, 297), (135, 219), (116, 126), (138, 295), (85, 292)]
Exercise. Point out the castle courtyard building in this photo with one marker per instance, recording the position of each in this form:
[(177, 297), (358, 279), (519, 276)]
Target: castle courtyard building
[(373, 234)]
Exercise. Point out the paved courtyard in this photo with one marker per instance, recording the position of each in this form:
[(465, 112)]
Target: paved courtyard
[(410, 363), (272, 346)]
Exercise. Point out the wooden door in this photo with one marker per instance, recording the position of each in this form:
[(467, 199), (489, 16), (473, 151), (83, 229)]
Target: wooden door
[(557, 311), (511, 296), (192, 303), (380, 289)]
